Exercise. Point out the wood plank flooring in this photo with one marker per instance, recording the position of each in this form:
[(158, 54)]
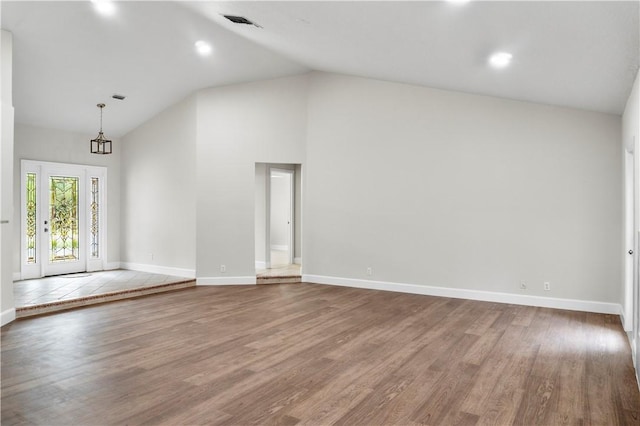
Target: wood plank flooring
[(316, 355)]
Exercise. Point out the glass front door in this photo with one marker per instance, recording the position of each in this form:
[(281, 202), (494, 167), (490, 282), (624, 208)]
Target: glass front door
[(62, 232), (62, 221)]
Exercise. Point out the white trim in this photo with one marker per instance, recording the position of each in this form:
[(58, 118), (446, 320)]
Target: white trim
[(267, 216), (250, 280), (487, 296), (7, 316), (297, 260), (261, 264), (110, 266), (279, 247), (157, 269), (17, 276), (629, 243)]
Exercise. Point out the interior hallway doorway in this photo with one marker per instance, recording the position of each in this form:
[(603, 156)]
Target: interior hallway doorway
[(277, 221)]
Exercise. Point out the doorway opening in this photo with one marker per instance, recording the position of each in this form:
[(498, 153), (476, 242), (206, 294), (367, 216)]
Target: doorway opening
[(277, 222)]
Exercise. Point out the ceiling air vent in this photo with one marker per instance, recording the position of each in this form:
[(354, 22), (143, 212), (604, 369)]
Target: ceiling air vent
[(241, 20), (118, 97)]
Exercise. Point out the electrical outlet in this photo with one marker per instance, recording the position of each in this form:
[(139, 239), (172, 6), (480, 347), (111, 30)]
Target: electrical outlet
[(223, 268), (369, 271), (547, 286), (523, 285)]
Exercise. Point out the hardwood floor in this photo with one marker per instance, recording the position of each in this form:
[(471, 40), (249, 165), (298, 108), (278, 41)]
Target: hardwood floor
[(314, 354)]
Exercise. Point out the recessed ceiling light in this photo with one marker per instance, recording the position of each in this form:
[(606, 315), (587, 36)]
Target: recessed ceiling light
[(104, 7), (500, 59), (458, 1), (203, 48)]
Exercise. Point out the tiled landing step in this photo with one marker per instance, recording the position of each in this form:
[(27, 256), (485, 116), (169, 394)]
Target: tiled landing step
[(286, 279), (62, 305)]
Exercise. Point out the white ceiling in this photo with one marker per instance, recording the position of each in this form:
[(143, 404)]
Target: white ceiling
[(67, 58)]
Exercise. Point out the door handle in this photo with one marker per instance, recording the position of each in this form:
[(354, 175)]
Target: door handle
[(630, 252)]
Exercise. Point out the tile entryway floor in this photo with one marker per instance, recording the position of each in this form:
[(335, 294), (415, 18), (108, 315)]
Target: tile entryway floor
[(280, 266), (67, 291), (279, 271)]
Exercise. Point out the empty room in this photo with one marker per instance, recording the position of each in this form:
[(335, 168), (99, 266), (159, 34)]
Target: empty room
[(320, 212)]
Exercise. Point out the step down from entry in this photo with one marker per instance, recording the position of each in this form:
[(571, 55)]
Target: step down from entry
[(286, 279)]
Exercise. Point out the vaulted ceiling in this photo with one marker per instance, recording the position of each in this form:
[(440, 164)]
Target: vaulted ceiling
[(67, 57)]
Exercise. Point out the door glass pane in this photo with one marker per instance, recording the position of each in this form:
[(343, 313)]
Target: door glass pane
[(95, 212), (31, 218), (64, 219)]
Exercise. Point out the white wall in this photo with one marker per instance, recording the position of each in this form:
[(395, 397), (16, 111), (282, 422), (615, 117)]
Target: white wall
[(631, 116), (439, 188), (238, 126), (159, 192), (36, 143), (297, 232), (7, 307), (427, 187)]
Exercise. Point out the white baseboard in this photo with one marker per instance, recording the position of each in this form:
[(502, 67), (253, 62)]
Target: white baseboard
[(279, 247), (17, 276), (156, 269), (250, 280), (624, 318), (458, 293), (297, 260), (7, 316)]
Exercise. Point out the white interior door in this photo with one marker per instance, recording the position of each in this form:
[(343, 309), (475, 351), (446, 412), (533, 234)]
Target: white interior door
[(630, 242), (632, 236), (281, 218), (63, 226), (635, 281)]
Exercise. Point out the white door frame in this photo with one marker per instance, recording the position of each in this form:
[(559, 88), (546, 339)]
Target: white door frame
[(631, 306), (634, 175), (630, 243), (291, 225), (43, 169)]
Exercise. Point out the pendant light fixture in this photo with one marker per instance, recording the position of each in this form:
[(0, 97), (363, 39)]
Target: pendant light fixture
[(100, 145)]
